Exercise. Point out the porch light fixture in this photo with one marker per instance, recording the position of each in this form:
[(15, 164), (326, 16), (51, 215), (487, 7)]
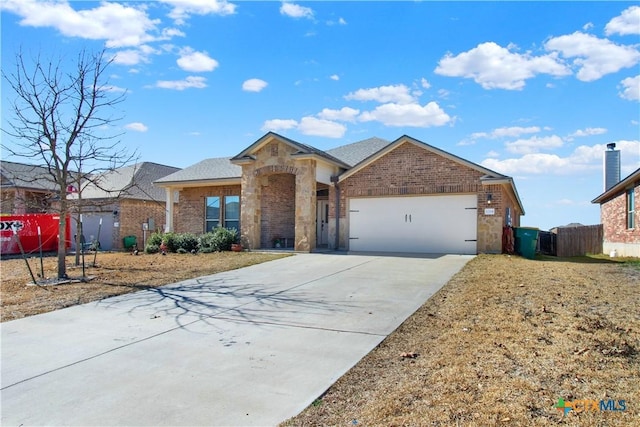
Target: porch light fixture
[(489, 198)]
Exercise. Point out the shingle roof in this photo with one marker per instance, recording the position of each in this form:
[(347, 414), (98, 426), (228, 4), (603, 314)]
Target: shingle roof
[(619, 187), (354, 153), (216, 168), (130, 182), (20, 175)]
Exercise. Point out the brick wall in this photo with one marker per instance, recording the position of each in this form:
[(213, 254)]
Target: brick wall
[(191, 209), (613, 215), (278, 208), (412, 170), (132, 214)]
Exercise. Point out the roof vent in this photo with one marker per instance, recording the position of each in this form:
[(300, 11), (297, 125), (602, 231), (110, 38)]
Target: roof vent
[(611, 166)]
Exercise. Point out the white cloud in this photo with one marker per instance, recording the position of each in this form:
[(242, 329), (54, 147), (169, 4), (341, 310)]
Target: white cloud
[(136, 126), (129, 57), (627, 23), (254, 85), (295, 11), (534, 144), (583, 159), (196, 62), (345, 114), (334, 77), (276, 125), (320, 127), (631, 88), (594, 57), (495, 67), (415, 115), (118, 24), (190, 82), (394, 93), (182, 9), (588, 132), (503, 132), (424, 83), (141, 54)]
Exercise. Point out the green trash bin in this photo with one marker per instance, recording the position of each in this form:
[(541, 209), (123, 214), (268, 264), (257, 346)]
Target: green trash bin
[(527, 241), (129, 242)]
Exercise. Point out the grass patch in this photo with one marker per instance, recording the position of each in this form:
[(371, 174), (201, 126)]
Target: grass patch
[(500, 344)]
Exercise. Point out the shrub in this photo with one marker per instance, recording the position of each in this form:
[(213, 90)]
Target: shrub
[(151, 248), (186, 241), (171, 240), (155, 239), (220, 239), (182, 251)]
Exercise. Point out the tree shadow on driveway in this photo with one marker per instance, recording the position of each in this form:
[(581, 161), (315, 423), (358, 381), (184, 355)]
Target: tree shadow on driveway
[(210, 298)]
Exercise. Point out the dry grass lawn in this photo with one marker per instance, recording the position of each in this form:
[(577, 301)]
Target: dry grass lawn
[(499, 345), (115, 274)]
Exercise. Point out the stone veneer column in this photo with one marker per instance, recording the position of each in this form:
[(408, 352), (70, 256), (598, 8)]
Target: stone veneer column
[(305, 206), (250, 208), (489, 234)]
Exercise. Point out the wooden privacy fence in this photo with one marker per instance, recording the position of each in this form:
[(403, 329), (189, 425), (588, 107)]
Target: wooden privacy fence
[(578, 241)]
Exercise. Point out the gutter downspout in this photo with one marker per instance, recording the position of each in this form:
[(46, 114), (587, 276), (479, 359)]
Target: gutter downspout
[(334, 179)]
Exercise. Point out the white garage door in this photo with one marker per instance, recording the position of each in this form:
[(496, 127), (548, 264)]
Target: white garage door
[(425, 224)]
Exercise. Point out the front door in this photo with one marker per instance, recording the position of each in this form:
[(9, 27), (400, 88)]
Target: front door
[(322, 223)]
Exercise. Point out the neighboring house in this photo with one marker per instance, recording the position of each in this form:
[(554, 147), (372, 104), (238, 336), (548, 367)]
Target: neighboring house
[(372, 195), (126, 201), (26, 188), (620, 216)]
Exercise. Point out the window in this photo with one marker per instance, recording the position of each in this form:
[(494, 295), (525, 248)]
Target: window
[(228, 216), (232, 212), (630, 209), (212, 215)]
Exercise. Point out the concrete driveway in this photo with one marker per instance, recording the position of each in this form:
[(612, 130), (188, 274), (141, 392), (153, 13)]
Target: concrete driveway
[(253, 346)]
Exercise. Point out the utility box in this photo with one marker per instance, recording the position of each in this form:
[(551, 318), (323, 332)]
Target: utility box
[(526, 241)]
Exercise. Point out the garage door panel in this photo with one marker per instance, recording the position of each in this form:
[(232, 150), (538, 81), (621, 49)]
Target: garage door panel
[(425, 224)]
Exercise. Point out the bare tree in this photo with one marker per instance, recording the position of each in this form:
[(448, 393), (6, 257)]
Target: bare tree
[(62, 121)]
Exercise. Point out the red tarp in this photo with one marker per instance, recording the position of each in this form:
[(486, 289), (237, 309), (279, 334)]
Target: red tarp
[(27, 226)]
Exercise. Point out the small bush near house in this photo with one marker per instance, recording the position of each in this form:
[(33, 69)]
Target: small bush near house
[(151, 248), (218, 240), (186, 241), (155, 239), (171, 240)]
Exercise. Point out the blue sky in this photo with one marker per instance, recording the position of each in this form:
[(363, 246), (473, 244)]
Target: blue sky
[(534, 90)]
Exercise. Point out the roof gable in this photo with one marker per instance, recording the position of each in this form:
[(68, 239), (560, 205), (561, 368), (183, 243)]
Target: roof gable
[(301, 149), (407, 139)]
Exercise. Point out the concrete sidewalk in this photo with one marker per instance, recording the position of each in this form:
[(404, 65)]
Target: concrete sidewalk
[(253, 346)]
